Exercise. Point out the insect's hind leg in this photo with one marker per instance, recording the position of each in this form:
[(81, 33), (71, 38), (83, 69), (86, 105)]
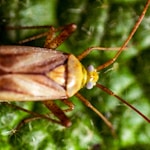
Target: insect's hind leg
[(53, 42)]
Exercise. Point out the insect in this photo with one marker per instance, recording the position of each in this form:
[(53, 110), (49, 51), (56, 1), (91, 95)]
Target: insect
[(44, 74)]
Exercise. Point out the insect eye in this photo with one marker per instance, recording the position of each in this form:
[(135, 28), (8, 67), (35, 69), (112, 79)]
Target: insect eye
[(90, 68), (89, 85)]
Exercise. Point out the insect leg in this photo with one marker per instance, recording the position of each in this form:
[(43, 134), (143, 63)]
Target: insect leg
[(53, 43), (58, 113), (69, 104), (33, 38), (27, 28), (23, 122), (90, 49), (88, 104), (109, 62), (34, 115)]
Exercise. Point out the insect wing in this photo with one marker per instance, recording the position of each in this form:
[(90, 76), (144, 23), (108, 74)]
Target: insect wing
[(23, 73)]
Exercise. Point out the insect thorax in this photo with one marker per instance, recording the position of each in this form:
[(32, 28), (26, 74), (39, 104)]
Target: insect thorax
[(79, 77)]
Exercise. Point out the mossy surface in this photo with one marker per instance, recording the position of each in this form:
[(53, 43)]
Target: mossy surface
[(105, 23)]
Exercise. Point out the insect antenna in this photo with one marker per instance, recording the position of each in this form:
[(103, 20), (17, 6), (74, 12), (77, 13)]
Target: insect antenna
[(108, 63), (122, 100), (120, 49), (111, 61)]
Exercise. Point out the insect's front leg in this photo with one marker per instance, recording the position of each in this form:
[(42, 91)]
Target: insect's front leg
[(53, 42)]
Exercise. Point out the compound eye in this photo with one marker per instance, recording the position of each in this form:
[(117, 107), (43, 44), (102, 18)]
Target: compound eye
[(89, 85), (90, 68)]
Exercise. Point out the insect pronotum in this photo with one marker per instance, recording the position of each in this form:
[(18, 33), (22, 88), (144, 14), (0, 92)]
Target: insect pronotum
[(44, 74)]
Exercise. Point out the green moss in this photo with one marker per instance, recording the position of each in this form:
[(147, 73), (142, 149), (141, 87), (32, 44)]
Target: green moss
[(100, 23)]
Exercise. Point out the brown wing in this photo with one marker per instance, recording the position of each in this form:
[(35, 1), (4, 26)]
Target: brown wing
[(23, 73), (24, 59)]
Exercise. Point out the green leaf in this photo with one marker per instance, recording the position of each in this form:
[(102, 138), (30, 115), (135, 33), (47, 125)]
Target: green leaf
[(105, 23)]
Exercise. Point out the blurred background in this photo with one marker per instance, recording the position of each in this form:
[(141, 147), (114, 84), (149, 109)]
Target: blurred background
[(105, 23)]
